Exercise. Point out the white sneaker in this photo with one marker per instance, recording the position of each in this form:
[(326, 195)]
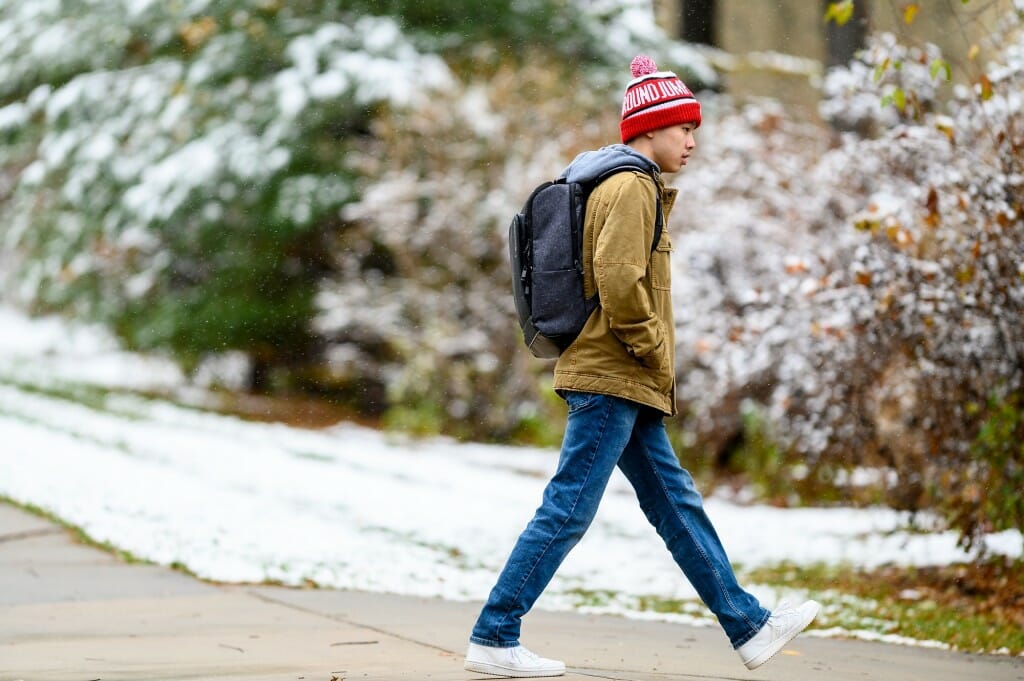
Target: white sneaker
[(517, 662), (781, 628)]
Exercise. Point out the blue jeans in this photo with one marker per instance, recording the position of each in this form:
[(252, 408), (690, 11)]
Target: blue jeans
[(602, 432)]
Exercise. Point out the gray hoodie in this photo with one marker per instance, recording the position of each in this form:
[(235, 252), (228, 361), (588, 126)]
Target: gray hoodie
[(591, 165)]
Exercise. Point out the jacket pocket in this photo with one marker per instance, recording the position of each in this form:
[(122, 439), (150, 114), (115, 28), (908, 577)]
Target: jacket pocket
[(661, 264)]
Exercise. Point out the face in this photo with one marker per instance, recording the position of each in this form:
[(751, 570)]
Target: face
[(671, 147)]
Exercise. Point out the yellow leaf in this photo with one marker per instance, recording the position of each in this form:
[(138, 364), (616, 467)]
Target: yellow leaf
[(195, 33), (973, 52), (899, 98), (840, 12), (880, 70), (941, 65), (909, 12)]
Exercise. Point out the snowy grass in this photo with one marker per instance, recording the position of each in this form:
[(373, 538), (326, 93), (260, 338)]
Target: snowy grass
[(84, 439)]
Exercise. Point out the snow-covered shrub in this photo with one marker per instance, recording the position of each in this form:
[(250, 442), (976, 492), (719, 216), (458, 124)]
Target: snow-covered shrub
[(888, 83), (944, 275), (185, 195)]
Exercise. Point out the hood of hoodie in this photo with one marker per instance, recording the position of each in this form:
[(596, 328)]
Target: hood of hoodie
[(590, 165)]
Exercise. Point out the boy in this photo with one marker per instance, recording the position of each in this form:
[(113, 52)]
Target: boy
[(618, 378)]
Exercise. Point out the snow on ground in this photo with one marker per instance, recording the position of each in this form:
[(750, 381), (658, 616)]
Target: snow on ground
[(348, 506)]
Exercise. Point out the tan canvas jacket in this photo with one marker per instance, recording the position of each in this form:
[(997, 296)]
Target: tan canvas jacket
[(627, 347)]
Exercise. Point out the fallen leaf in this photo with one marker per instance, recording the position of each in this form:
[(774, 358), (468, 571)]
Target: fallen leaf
[(986, 87)]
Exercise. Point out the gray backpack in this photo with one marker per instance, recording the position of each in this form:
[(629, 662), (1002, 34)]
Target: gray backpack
[(545, 243)]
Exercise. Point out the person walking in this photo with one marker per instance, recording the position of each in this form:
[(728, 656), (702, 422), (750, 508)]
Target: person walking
[(618, 380)]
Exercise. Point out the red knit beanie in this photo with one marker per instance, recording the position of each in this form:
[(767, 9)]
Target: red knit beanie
[(655, 99)]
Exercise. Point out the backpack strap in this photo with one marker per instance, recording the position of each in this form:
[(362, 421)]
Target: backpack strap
[(658, 219)]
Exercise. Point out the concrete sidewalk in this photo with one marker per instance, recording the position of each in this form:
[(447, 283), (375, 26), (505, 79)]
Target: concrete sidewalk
[(70, 612)]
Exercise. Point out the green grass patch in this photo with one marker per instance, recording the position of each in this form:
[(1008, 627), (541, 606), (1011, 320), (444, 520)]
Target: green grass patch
[(91, 396), (975, 607), (592, 598)]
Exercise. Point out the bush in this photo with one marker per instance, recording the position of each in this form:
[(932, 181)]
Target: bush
[(182, 187), (984, 495), (943, 273)]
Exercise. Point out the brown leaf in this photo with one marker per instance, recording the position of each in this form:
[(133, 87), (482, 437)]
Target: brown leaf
[(796, 267), (931, 204), (986, 87)]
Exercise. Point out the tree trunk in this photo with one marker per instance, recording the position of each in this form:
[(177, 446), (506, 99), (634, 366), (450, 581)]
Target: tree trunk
[(259, 375), (843, 42), (698, 22)]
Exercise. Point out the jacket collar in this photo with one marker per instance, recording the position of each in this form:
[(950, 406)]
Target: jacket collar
[(668, 194)]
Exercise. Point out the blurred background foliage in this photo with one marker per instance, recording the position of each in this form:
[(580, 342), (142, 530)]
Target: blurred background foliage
[(319, 192)]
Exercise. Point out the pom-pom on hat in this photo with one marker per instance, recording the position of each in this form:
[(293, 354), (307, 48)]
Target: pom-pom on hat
[(655, 99)]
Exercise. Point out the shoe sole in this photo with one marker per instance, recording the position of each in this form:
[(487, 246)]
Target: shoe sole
[(770, 652), (498, 670)]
